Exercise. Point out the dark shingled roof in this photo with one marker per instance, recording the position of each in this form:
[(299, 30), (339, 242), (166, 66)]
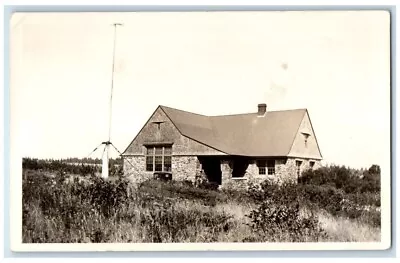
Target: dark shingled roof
[(241, 134)]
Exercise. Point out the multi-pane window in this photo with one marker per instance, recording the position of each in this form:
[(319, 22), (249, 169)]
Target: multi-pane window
[(261, 166), (271, 167), (266, 167), (149, 158), (298, 166), (167, 159), (158, 158)]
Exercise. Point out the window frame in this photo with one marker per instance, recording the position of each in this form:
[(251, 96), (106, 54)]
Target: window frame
[(266, 166), (298, 167), (262, 167), (271, 168), (156, 155)]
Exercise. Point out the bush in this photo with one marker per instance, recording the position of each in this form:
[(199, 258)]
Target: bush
[(185, 190), (208, 185), (272, 221), (335, 189), (344, 178)]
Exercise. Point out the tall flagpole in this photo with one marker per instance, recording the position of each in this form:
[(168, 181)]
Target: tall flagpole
[(104, 169), (112, 79)]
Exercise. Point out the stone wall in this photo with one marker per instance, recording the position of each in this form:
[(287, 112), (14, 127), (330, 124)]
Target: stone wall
[(226, 170), (250, 177), (189, 168), (135, 169), (285, 172), (183, 168)]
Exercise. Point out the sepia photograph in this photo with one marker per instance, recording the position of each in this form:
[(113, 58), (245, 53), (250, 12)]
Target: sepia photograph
[(200, 130)]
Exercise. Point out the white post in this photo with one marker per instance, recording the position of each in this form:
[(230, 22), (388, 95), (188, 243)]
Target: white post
[(104, 168)]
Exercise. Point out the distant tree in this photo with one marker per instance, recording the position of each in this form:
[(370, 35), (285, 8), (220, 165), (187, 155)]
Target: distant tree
[(375, 169)]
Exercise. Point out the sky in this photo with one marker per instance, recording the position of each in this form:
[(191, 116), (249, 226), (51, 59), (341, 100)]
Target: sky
[(334, 63)]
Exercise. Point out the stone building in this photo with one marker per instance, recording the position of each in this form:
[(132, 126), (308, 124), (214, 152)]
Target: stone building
[(230, 150)]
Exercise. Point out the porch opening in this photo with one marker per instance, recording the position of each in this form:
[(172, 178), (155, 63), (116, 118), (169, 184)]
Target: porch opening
[(239, 167), (212, 168)]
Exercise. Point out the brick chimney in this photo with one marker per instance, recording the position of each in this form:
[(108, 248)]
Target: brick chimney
[(262, 109)]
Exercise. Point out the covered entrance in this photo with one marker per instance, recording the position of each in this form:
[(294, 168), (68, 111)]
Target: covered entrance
[(212, 168)]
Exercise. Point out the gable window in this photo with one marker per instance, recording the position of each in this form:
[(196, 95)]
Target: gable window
[(298, 168), (306, 134), (271, 167), (158, 158), (158, 123)]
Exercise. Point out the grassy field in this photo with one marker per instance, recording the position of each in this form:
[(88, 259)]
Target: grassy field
[(59, 209)]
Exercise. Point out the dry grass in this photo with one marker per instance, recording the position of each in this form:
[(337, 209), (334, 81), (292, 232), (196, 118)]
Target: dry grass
[(341, 229), (338, 229), (156, 213)]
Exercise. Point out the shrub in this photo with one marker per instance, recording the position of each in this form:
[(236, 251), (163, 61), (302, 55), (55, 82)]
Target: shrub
[(344, 178), (329, 186), (272, 221), (185, 190), (323, 189), (208, 185), (166, 223)]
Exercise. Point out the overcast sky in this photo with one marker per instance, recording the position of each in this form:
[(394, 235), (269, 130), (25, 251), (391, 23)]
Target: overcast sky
[(335, 64)]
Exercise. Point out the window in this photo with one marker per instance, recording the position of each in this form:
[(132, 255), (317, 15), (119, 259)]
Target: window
[(271, 167), (266, 167), (158, 158), (261, 166), (306, 134), (149, 158), (167, 163), (312, 164), (158, 124), (298, 166), (167, 159)]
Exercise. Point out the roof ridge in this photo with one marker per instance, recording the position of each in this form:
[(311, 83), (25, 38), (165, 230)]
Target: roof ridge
[(251, 113), (162, 106), (239, 134), (226, 115), (237, 114)]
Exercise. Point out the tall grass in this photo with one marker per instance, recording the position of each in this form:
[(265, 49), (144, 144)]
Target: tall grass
[(57, 209)]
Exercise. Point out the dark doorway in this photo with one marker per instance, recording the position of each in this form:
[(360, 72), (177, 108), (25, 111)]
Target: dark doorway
[(239, 167), (212, 169)]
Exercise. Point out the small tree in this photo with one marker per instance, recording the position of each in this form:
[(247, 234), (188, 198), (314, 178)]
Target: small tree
[(375, 169)]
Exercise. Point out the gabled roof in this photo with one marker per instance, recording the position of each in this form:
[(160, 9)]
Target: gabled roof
[(241, 134)]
